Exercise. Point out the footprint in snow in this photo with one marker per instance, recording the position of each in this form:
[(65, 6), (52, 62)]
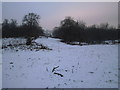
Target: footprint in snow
[(11, 62), (91, 72), (81, 81)]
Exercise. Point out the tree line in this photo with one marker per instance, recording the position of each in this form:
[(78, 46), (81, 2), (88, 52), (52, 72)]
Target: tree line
[(30, 27), (69, 30)]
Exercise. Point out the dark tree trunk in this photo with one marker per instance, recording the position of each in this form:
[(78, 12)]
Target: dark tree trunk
[(29, 41)]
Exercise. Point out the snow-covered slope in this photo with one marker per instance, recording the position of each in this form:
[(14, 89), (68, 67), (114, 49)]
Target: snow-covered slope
[(65, 66)]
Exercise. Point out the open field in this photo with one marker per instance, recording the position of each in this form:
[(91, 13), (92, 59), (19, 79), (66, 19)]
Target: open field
[(64, 66)]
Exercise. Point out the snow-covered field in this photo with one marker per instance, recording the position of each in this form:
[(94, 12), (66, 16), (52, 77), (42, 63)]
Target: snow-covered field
[(65, 66), (0, 64)]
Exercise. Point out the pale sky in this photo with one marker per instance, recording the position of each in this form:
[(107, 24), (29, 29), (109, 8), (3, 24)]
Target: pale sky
[(52, 13)]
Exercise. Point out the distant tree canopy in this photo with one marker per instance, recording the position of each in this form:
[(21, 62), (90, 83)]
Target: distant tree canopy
[(29, 28), (31, 20), (71, 30), (31, 25)]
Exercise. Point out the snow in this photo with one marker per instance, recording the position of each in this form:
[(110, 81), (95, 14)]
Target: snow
[(0, 64), (87, 66)]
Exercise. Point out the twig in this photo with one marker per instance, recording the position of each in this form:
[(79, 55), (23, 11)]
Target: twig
[(54, 68), (59, 74)]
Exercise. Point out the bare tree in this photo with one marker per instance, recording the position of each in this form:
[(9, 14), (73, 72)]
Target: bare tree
[(31, 19)]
